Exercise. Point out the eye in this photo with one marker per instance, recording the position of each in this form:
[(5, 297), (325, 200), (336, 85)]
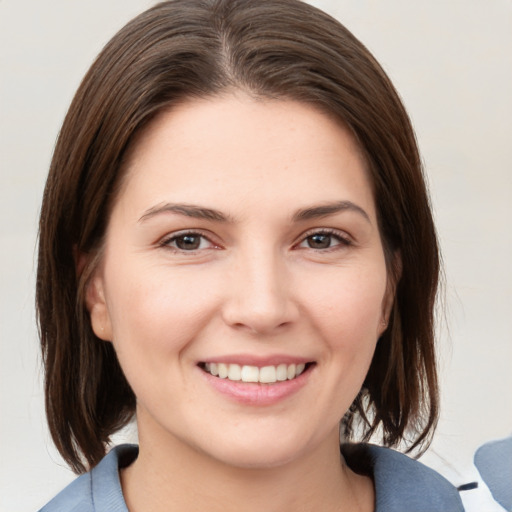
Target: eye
[(187, 242), (324, 240)]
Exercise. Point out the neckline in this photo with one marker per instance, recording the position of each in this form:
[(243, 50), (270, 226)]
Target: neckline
[(400, 483)]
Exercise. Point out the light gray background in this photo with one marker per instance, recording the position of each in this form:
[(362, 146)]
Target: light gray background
[(451, 62)]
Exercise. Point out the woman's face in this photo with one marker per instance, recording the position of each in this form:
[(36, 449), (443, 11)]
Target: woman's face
[(243, 282)]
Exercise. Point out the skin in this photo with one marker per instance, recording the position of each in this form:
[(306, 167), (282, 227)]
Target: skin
[(254, 286)]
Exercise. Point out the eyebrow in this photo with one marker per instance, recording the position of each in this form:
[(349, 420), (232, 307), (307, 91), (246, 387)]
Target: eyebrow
[(188, 210), (325, 210), (200, 212)]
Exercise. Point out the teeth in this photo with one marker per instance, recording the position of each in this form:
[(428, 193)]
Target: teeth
[(234, 372), (246, 373), (223, 370), (250, 374), (268, 374), (282, 372)]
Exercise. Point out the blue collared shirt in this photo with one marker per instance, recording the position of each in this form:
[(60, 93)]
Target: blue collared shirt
[(401, 483)]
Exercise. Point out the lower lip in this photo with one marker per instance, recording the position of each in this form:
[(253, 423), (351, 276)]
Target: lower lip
[(257, 393)]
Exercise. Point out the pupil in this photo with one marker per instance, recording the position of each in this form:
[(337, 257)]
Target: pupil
[(188, 242), (319, 241)]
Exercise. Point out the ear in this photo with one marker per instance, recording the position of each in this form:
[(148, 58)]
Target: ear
[(394, 275), (95, 300)]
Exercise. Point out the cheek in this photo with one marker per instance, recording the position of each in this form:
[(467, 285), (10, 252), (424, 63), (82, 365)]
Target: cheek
[(348, 314), (155, 313), (352, 300)]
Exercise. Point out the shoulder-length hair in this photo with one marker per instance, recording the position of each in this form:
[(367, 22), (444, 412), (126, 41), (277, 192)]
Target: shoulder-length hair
[(183, 49)]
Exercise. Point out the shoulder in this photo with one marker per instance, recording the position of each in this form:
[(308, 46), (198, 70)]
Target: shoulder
[(494, 463), (98, 490), (76, 497), (402, 483)]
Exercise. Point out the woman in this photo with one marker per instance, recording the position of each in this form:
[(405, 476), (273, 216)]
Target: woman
[(236, 247)]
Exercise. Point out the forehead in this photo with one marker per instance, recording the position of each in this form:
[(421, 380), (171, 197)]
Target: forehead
[(206, 149)]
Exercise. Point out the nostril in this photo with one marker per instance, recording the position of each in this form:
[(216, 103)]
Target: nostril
[(260, 308)]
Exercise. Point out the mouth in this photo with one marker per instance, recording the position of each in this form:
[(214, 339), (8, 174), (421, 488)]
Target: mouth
[(270, 374)]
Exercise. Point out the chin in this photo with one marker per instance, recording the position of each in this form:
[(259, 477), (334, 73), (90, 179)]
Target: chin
[(259, 452), (247, 458)]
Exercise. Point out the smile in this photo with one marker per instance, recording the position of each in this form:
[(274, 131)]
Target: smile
[(247, 373)]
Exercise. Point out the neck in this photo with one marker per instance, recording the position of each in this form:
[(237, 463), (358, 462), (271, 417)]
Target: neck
[(173, 476)]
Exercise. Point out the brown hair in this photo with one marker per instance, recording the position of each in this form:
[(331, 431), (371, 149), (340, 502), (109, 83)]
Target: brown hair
[(196, 48)]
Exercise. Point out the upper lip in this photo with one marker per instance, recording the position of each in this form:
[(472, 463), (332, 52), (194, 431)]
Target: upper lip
[(257, 360)]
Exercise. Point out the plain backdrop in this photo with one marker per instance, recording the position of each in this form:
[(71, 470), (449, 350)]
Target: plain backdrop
[(452, 64)]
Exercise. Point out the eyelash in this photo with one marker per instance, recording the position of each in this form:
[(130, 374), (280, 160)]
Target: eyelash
[(166, 242), (343, 240)]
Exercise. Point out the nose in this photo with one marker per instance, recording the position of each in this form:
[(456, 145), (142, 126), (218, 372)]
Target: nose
[(260, 297)]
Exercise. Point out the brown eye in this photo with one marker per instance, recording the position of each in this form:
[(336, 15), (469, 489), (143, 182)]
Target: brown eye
[(188, 242), (319, 241), (322, 240)]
